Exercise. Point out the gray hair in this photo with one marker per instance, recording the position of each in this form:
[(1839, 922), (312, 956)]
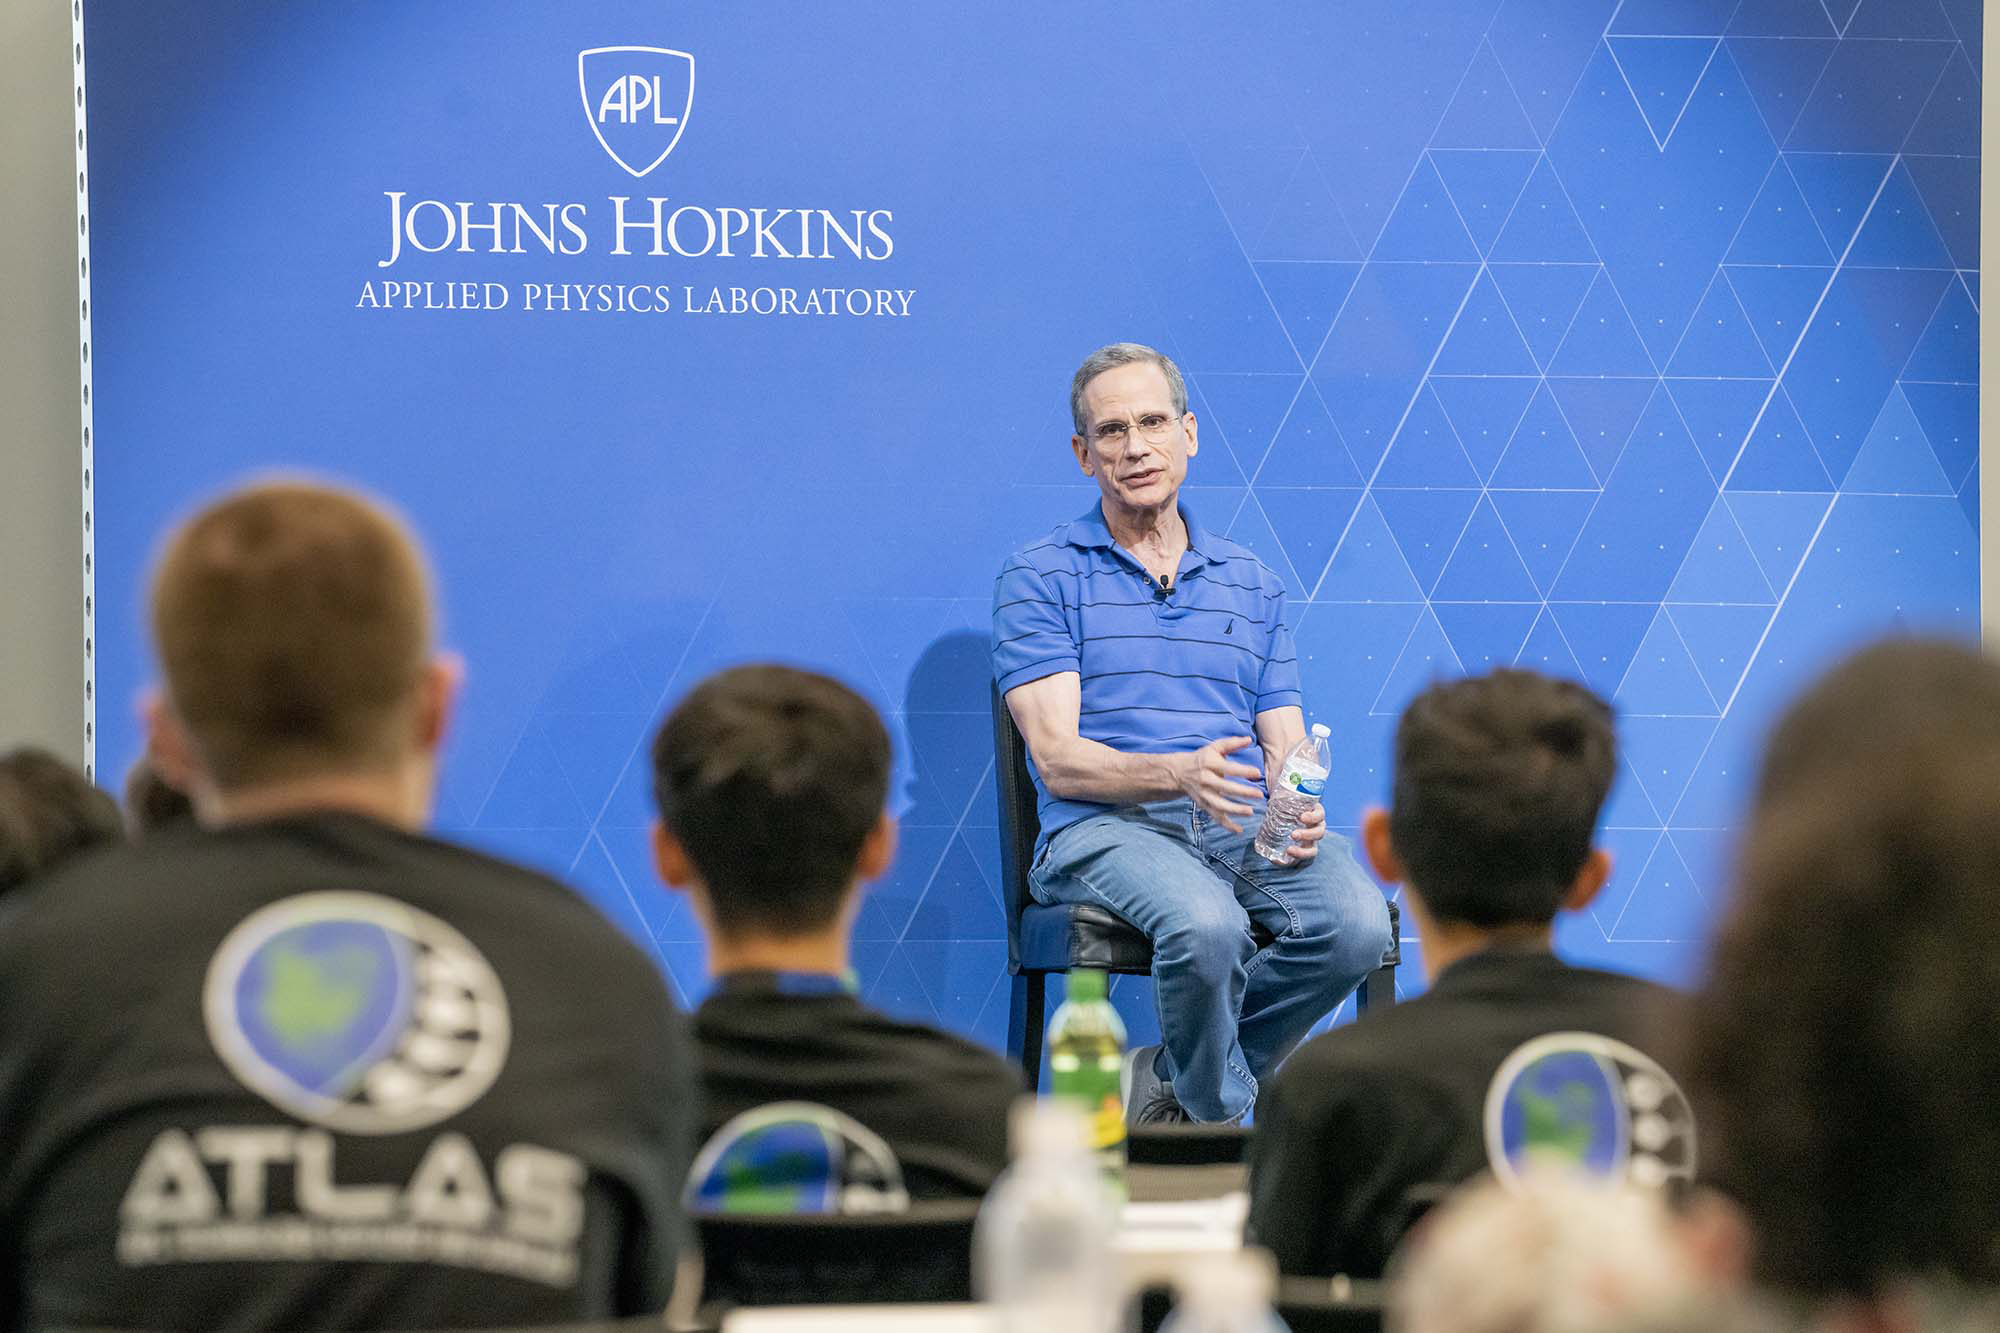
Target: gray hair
[(1124, 354)]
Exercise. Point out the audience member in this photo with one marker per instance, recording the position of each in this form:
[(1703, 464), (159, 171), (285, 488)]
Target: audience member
[(771, 783), (1842, 1050), (1558, 1252), (150, 804), (308, 1068), (1512, 1054), (49, 811)]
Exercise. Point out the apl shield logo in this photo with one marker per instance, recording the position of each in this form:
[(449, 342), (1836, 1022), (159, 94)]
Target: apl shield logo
[(636, 99), (356, 1012)]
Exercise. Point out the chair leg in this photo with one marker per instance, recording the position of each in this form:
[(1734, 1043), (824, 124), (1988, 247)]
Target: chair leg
[(1026, 1016), (1379, 989)]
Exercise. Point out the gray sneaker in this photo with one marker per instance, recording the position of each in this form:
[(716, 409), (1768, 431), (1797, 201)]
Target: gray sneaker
[(1149, 1099)]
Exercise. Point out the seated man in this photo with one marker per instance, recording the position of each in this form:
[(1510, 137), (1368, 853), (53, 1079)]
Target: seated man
[(1139, 653), (305, 1067), (1512, 1054), (770, 783), (49, 812)]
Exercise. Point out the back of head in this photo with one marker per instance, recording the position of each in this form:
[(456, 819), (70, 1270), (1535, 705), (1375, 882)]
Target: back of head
[(292, 622), (151, 802), (49, 811), (1901, 697), (1552, 1253), (1499, 780), (771, 778), (1842, 1054)]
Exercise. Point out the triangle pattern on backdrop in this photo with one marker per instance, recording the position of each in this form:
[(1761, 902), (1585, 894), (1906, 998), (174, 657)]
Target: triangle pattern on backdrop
[(1483, 410), (1307, 294), (1719, 415), (1779, 455), (1544, 300), (1485, 566), (1544, 227), (1719, 340), (1780, 529), (1722, 640), (1718, 566), (1662, 74), (1896, 459), (1544, 451), (1484, 184), (1544, 526), (1368, 566)]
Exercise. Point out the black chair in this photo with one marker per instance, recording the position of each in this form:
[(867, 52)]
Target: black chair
[(1041, 940), (923, 1254)]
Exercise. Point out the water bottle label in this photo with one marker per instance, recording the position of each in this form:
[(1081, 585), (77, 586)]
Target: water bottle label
[(1305, 781)]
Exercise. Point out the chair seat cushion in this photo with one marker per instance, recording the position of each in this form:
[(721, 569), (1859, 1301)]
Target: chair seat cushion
[(1055, 939)]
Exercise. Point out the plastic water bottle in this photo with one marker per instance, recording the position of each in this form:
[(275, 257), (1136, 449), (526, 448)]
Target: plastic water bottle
[(1086, 1056), (1228, 1291), (1301, 782), (1042, 1244)]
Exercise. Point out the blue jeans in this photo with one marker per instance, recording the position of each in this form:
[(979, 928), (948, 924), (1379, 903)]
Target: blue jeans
[(1229, 1011)]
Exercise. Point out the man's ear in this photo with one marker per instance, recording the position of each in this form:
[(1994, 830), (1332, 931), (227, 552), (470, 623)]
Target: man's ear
[(1082, 452), (437, 699), (1375, 842), (878, 850), (1194, 443), (1589, 881), (670, 859), (169, 749)]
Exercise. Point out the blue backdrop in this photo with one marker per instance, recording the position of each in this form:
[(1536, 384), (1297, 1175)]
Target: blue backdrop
[(1634, 341)]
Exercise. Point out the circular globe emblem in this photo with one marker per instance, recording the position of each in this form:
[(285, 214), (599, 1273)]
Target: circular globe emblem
[(356, 1012), (1583, 1102), (795, 1157)]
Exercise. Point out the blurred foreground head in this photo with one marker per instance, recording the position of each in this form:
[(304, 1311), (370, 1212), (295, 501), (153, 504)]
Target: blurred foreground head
[(49, 811), (1843, 1058), (1550, 1253), (293, 625)]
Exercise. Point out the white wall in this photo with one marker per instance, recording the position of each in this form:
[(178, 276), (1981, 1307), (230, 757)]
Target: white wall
[(41, 491)]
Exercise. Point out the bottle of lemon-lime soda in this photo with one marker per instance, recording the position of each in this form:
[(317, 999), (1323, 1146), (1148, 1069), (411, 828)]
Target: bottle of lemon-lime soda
[(1086, 1056)]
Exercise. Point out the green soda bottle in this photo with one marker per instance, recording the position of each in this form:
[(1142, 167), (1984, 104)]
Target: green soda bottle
[(1086, 1056)]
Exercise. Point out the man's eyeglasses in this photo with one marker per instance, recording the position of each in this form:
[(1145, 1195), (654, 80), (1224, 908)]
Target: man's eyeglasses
[(1153, 427)]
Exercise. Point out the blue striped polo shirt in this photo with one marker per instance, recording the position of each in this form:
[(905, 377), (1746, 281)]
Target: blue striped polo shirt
[(1161, 671)]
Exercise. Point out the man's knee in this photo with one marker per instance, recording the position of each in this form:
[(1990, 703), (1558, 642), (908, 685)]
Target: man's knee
[(1340, 913), (1210, 936)]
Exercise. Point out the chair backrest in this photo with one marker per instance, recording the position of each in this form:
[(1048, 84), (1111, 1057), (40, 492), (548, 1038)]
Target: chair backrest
[(1322, 1305), (921, 1255), (1020, 819)]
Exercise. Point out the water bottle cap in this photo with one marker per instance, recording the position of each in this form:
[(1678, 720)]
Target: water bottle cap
[(1321, 730)]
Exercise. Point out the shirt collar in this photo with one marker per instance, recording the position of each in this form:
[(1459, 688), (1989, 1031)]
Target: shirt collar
[(1089, 531)]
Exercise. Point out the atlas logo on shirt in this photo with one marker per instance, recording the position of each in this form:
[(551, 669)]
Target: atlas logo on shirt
[(356, 1012), (1577, 1101), (362, 1016), (636, 99)]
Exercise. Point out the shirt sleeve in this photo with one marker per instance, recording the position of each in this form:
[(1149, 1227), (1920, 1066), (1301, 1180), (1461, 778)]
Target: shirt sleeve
[(1278, 685), (1031, 635), (1295, 1175)]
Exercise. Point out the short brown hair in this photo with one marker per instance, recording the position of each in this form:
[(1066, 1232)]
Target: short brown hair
[(292, 621), (49, 812), (771, 778)]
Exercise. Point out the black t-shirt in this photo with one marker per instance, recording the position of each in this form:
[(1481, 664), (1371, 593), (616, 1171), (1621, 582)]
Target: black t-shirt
[(937, 1102), (320, 1073), (1510, 1051)]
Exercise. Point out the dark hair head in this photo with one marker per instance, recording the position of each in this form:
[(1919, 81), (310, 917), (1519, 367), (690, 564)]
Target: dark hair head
[(771, 778), (49, 811), (1842, 1057), (1900, 697), (292, 621), (1499, 779), (150, 803)]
